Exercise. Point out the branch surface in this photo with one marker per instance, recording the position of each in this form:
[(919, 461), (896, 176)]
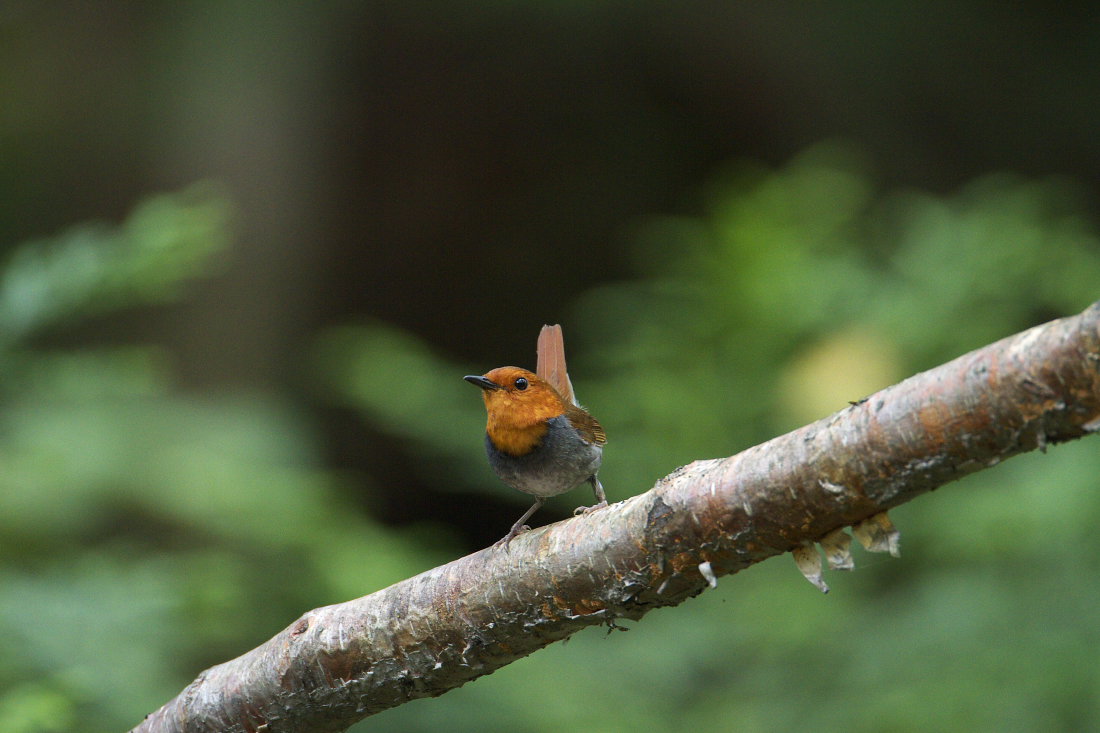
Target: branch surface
[(436, 631)]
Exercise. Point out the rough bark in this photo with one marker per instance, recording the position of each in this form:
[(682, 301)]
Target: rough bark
[(431, 633)]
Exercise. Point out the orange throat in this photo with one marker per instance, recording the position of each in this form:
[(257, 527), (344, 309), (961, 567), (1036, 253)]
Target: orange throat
[(516, 440), (517, 426)]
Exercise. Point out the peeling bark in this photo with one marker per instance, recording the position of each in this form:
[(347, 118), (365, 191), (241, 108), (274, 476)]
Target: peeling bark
[(434, 632)]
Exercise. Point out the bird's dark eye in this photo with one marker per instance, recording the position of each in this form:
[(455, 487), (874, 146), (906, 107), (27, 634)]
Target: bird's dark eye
[(521, 383)]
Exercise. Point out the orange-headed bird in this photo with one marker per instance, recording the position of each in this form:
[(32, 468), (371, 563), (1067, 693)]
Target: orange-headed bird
[(539, 440)]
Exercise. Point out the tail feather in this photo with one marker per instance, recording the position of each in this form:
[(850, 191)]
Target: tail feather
[(551, 362)]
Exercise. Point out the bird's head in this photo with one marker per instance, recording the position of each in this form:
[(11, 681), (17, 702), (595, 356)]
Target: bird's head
[(519, 403)]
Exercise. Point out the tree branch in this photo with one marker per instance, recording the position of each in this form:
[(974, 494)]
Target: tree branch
[(434, 632)]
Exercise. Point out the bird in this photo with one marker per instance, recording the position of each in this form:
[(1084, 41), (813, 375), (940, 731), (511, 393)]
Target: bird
[(539, 440)]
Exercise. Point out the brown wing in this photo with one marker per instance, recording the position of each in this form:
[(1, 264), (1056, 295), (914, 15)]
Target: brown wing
[(551, 362), (586, 425)]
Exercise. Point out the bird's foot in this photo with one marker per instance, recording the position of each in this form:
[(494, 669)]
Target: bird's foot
[(512, 534), (586, 509)]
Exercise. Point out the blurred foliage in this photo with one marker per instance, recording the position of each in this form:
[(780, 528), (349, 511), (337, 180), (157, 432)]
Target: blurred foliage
[(96, 268), (146, 533), (140, 529), (798, 290)]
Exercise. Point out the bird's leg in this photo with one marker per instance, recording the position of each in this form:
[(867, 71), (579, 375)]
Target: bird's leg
[(519, 526), (601, 499)]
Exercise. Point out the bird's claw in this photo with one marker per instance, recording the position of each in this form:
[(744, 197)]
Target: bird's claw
[(512, 534), (586, 509)]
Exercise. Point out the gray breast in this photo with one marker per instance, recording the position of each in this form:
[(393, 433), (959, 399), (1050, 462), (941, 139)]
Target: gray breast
[(561, 462)]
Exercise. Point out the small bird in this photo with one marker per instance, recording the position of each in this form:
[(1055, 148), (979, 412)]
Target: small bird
[(539, 440)]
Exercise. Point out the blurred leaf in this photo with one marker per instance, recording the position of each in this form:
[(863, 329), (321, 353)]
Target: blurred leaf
[(36, 708), (409, 391), (96, 268), (144, 534), (999, 256)]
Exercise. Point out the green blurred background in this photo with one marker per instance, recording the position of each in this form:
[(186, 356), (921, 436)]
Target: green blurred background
[(248, 250)]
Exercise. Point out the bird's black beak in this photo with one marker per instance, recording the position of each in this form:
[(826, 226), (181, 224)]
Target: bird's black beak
[(486, 384)]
